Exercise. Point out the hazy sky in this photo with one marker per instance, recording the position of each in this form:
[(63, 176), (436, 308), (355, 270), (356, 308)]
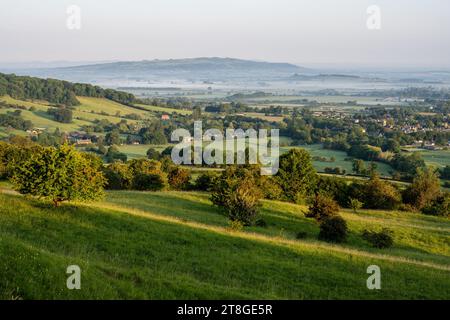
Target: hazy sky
[(311, 33)]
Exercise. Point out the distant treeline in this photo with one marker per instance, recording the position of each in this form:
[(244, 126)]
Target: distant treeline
[(56, 91)]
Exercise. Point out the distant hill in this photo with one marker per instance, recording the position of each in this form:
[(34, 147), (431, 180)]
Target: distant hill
[(196, 69), (333, 77), (56, 91)]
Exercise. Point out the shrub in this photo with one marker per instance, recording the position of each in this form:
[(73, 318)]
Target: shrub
[(118, 176), (379, 194), (381, 239), (147, 175), (61, 174), (205, 181), (439, 207), (179, 178), (235, 225), (270, 188), (236, 193), (153, 154), (148, 182), (355, 204), (333, 229), (322, 207)]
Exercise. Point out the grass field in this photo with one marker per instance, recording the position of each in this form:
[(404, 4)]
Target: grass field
[(340, 156), (97, 105), (175, 245), (85, 114), (436, 158), (139, 151), (163, 109)]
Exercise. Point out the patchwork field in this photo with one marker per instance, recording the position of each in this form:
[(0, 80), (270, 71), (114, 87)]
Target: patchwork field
[(176, 245), (91, 109)]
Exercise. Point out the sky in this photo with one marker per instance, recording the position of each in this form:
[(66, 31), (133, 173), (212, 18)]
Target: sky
[(412, 33)]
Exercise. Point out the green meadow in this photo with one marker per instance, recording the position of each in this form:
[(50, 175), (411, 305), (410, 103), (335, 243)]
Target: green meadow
[(176, 245)]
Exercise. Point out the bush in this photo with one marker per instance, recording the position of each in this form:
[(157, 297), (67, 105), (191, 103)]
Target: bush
[(153, 154), (179, 178), (61, 174), (439, 207), (205, 181), (322, 207), (235, 225), (333, 229), (381, 239), (355, 204), (148, 182), (270, 188), (236, 193), (118, 176), (379, 194)]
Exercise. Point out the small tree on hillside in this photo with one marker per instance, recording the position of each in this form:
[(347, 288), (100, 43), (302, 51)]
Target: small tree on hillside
[(322, 208), (296, 175), (61, 174), (355, 204), (236, 193), (425, 188), (179, 178), (379, 194)]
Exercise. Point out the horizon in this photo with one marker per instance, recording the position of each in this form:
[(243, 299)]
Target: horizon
[(343, 67)]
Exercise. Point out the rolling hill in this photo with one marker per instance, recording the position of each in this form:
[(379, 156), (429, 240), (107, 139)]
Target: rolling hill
[(175, 245), (197, 69)]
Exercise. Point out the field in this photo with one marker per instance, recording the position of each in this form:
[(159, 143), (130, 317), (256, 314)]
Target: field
[(91, 109), (163, 109), (436, 158), (139, 151), (176, 245)]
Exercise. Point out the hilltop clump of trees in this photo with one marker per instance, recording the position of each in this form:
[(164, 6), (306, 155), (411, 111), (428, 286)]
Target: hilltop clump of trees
[(56, 91)]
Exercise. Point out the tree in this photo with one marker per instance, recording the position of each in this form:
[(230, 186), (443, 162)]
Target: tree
[(147, 174), (424, 189), (63, 115), (359, 167), (355, 204), (237, 195), (333, 229), (205, 181), (114, 154), (153, 154), (439, 206), (61, 174), (118, 176), (112, 137), (296, 175), (179, 178), (322, 207), (379, 194)]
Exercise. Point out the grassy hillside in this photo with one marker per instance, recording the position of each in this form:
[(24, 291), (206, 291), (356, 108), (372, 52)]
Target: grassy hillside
[(91, 109), (176, 245), (164, 109)]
